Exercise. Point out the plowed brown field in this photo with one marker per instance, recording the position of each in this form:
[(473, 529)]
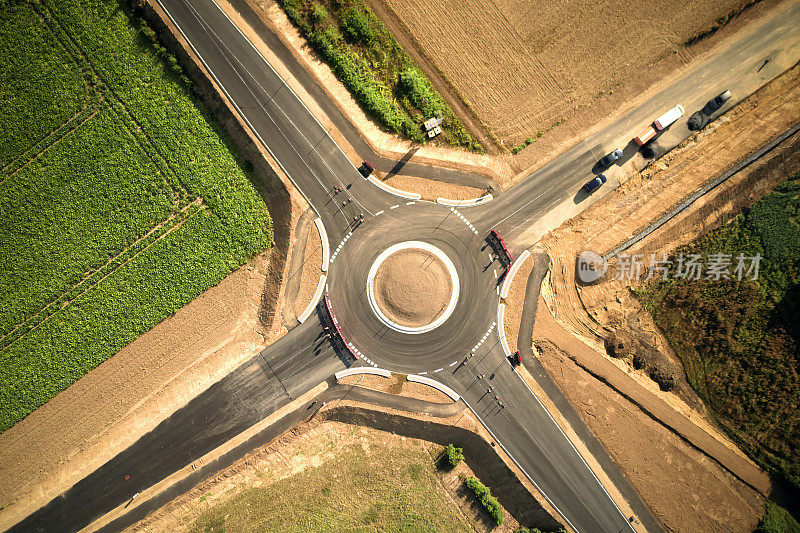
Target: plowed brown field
[(523, 66)]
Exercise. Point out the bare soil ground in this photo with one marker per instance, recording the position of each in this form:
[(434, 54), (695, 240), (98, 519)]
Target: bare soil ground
[(528, 69), (685, 490), (412, 287), (431, 190)]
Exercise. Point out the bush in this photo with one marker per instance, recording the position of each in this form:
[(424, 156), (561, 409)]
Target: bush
[(418, 89), (639, 360), (318, 14), (664, 378), (355, 26), (489, 502), (776, 520), (453, 455)]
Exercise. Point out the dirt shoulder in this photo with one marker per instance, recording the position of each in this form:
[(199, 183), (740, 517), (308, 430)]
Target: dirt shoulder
[(683, 488)]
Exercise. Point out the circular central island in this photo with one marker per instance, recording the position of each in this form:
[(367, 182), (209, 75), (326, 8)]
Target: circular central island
[(412, 287)]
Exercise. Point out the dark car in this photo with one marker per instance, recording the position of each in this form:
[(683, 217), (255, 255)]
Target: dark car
[(715, 103), (606, 160), (594, 183)]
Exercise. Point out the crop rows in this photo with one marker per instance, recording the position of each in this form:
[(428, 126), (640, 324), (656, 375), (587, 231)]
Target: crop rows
[(121, 199)]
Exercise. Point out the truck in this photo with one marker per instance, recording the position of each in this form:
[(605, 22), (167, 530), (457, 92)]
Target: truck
[(645, 135), (669, 117)]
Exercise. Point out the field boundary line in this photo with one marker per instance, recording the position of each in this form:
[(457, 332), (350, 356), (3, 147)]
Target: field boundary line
[(174, 223)]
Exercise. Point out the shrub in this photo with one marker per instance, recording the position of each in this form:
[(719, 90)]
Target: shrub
[(454, 455), (489, 502), (664, 378), (355, 26), (418, 89), (639, 360), (318, 14), (776, 520)]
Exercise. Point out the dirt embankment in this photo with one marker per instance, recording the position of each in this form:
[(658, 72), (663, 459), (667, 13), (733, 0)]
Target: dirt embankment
[(597, 311), (684, 489)]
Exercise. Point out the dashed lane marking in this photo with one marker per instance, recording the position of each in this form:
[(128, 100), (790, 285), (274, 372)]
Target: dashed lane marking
[(379, 212), (464, 219), (410, 203), (395, 206)]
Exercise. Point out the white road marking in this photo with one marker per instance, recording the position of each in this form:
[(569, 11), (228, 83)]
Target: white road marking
[(379, 212), (438, 370), (410, 203), (395, 206)]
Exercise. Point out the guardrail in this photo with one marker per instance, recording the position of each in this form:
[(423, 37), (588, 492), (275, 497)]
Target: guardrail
[(465, 203), (391, 190), (501, 330), (512, 272), (313, 303), (362, 370), (435, 384), (323, 237)]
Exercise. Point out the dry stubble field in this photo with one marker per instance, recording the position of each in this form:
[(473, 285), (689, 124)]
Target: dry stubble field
[(523, 66)]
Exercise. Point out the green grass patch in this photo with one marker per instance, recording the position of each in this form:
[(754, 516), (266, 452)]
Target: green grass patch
[(739, 341), (384, 80), (121, 198), (387, 489)]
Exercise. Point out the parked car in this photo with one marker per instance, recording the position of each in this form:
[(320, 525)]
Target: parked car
[(607, 159), (595, 183), (715, 103), (669, 117)]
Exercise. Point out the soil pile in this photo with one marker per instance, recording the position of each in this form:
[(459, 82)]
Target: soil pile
[(412, 287)]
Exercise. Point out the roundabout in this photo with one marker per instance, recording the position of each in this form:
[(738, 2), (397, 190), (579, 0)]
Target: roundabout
[(419, 291)]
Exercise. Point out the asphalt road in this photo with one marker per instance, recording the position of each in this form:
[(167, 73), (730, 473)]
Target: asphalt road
[(304, 358)]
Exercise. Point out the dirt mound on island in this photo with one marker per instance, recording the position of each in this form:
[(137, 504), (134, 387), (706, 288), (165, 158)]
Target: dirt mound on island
[(412, 287)]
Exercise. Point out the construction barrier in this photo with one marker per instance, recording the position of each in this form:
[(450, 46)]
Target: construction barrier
[(435, 384), (512, 272)]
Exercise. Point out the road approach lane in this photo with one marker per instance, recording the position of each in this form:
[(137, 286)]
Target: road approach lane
[(293, 365)]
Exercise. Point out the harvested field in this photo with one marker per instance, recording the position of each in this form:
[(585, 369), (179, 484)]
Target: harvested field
[(523, 68)]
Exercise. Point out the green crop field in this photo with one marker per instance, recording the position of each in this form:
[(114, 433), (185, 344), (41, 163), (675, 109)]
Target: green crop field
[(738, 340), (120, 198)]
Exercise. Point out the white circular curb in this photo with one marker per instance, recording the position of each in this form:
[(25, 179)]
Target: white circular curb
[(451, 270)]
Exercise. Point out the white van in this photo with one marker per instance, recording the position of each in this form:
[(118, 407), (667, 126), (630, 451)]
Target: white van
[(669, 117)]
